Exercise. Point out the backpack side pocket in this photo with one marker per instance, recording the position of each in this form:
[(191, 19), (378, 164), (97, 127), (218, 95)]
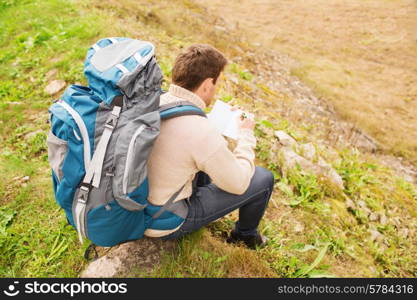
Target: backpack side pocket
[(134, 144), (57, 149)]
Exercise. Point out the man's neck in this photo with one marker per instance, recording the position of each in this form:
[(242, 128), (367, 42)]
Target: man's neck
[(185, 94), (201, 97)]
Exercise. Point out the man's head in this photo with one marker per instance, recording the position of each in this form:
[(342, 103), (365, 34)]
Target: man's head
[(197, 69)]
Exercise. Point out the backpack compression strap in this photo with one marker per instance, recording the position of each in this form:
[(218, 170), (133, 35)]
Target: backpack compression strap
[(169, 111), (93, 173), (179, 108)]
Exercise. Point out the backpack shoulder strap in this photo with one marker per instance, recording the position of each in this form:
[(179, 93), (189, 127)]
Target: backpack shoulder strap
[(179, 108)]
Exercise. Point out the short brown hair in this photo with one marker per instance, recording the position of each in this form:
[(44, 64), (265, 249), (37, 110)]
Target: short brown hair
[(197, 63)]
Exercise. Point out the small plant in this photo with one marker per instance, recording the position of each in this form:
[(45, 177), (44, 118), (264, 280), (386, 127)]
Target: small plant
[(306, 187), (243, 74)]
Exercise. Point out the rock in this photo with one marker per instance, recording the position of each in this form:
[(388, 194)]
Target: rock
[(375, 235), (366, 143), (298, 227), (290, 159), (383, 219), (396, 221), (402, 168), (373, 270), (373, 217), (362, 204), (284, 138), (308, 151), (220, 28), (54, 87), (335, 178), (365, 209), (121, 260), (51, 74), (349, 204), (331, 173), (103, 267), (361, 140), (404, 232), (238, 49), (32, 134), (21, 179)]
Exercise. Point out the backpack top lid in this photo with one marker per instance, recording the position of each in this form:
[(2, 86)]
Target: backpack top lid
[(113, 63)]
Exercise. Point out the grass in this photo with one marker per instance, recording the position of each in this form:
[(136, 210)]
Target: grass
[(36, 37), (313, 230)]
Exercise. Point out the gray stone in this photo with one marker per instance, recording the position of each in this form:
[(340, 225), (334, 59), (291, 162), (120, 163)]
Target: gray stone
[(54, 87), (290, 159), (349, 203), (220, 28), (103, 267), (21, 179), (331, 173), (375, 235), (362, 204), (30, 135), (404, 232), (373, 217), (308, 151), (361, 140), (51, 74), (383, 219), (298, 227), (122, 260), (284, 138)]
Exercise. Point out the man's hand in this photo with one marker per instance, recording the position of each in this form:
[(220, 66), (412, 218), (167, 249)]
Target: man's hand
[(246, 120), (247, 124)]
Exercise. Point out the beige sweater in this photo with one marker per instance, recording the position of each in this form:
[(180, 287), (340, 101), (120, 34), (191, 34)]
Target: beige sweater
[(188, 144)]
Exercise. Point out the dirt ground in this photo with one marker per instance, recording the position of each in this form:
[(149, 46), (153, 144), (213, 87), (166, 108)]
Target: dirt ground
[(359, 55)]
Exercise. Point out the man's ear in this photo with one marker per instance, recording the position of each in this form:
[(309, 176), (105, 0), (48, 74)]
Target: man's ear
[(204, 90), (206, 84)]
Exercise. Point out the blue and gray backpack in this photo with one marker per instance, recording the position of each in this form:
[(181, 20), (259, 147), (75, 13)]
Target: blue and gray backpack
[(100, 140)]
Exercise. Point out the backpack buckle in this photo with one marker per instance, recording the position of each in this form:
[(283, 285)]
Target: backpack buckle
[(111, 121), (83, 194), (85, 188)]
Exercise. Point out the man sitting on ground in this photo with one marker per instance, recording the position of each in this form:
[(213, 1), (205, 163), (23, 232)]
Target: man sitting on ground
[(191, 146)]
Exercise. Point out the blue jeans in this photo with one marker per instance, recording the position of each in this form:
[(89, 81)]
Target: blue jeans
[(209, 203)]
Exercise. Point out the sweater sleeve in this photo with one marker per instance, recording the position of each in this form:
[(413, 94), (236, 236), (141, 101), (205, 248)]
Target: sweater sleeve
[(230, 171)]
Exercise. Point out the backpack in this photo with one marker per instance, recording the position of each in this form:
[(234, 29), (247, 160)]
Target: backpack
[(100, 139)]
